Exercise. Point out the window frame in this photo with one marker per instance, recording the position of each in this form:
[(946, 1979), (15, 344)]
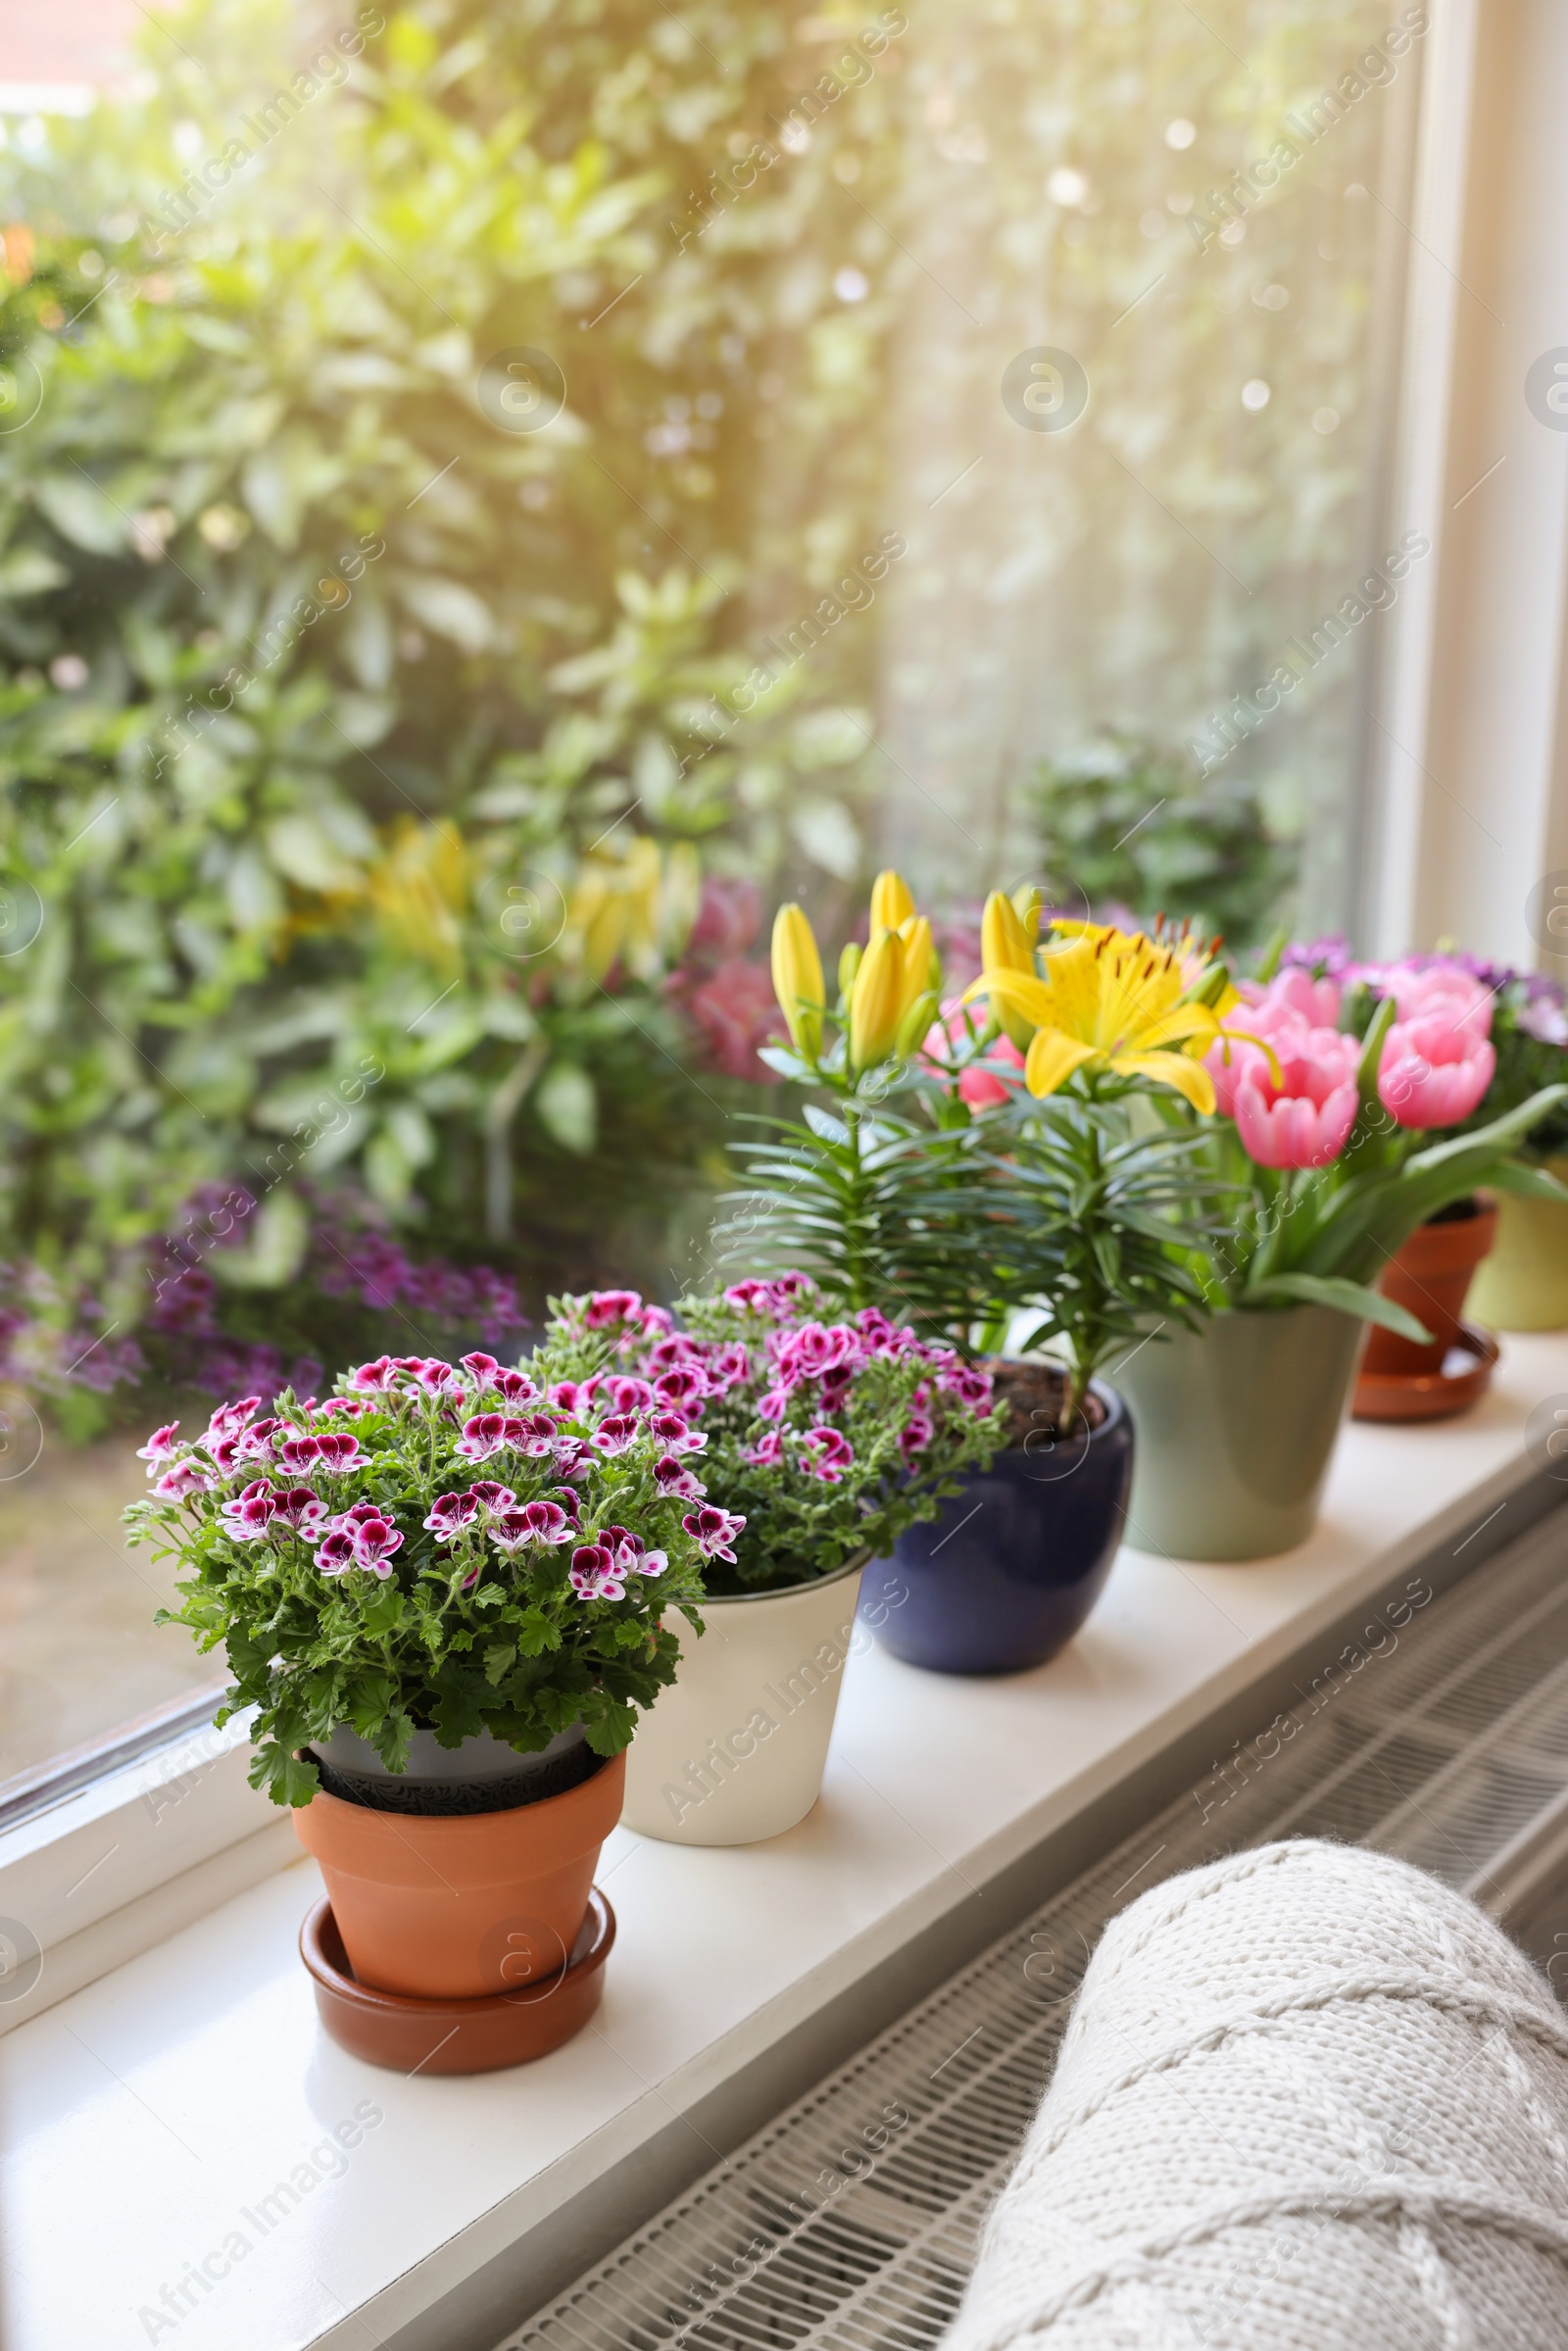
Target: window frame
[(114, 1852)]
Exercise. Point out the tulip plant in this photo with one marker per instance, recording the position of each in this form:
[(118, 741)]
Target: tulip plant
[(449, 1545), (1338, 1100)]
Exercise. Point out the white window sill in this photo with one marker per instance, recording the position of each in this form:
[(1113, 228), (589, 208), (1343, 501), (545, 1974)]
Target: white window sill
[(150, 2114)]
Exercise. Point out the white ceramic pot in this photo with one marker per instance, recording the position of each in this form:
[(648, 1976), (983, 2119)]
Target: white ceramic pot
[(734, 1749)]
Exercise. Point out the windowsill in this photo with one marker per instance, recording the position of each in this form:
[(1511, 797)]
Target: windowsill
[(149, 2112)]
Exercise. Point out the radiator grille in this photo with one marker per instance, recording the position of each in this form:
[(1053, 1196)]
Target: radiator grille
[(849, 2224)]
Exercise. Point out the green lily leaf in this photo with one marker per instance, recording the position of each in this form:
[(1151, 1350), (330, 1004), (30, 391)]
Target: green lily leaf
[(1345, 1298)]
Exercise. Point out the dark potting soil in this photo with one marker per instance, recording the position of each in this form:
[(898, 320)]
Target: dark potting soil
[(452, 1799), (1457, 1211), (1033, 1397)]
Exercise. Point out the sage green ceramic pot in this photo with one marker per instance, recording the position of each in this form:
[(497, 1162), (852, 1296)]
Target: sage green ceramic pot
[(1235, 1426)]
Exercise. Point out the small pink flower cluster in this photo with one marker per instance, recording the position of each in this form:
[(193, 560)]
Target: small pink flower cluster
[(365, 1537), (1297, 1110), (793, 1358)]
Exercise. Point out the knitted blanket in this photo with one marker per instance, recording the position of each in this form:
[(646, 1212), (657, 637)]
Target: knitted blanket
[(1309, 2100)]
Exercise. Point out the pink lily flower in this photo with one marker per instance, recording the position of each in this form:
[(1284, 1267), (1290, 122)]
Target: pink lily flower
[(978, 1086)]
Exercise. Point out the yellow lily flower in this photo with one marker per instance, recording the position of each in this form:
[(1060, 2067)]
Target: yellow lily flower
[(797, 980), (1111, 1001), (878, 1000), (892, 902)]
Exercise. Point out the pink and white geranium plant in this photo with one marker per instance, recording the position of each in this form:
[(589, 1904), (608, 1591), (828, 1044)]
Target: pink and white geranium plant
[(1339, 1089), (453, 1545), (817, 1439)]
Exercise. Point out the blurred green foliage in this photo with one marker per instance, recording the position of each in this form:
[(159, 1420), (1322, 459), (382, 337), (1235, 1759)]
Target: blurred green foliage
[(1126, 824), (343, 727)]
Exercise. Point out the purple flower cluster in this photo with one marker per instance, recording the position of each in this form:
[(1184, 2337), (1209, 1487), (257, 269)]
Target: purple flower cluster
[(794, 1360), (346, 1261)]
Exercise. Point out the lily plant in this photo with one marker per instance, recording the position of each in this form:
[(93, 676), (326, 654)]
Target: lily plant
[(875, 1188)]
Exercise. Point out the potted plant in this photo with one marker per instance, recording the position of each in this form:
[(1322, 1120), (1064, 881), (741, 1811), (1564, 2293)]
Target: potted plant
[(444, 1591), (1322, 1159), (1521, 1283), (940, 1185), (817, 1444)]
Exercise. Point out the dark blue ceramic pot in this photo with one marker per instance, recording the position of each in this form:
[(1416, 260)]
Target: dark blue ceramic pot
[(1008, 1573)]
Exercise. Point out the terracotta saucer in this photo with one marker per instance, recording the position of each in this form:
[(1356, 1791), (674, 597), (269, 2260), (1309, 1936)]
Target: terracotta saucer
[(1464, 1378), (456, 2037)]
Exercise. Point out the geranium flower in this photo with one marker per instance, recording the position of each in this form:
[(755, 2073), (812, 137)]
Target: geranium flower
[(357, 1515), (435, 1378), (481, 1370), (973, 1387), (679, 1389), (629, 1394), (183, 1479), (814, 1349), (676, 1434), (916, 1435), (729, 1368), (766, 1452), (255, 1443), (482, 1435), (160, 1446), (614, 1435), (749, 1296), (336, 1556), (827, 1455), (672, 1477), (774, 1404), (570, 1397), (544, 1522), (250, 1514), (593, 1573), (300, 1508), (572, 1456), (379, 1375), (374, 1542), (714, 1531), (223, 1451), (629, 1554), (493, 1499), (516, 1387), (606, 1307), (229, 1419), (450, 1513), (534, 1436)]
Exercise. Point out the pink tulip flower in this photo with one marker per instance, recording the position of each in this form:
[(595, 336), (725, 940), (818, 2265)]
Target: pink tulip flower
[(1435, 1069), (1294, 1130), (1442, 992)]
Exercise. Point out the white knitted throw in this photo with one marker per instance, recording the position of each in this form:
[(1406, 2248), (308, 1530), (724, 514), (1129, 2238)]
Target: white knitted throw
[(1309, 2100)]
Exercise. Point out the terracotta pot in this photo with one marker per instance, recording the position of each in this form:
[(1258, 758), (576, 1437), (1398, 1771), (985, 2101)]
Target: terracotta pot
[(451, 1909), (1429, 1277)]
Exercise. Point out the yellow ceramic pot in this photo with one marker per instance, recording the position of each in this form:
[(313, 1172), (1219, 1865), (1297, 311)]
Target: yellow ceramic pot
[(1522, 1284)]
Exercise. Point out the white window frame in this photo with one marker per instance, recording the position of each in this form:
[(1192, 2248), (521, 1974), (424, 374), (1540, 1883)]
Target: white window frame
[(1466, 806)]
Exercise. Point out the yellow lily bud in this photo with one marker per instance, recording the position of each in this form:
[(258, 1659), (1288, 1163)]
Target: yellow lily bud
[(916, 1025), (1007, 945), (919, 956), (797, 980), (877, 1002), (892, 902), (848, 965)]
